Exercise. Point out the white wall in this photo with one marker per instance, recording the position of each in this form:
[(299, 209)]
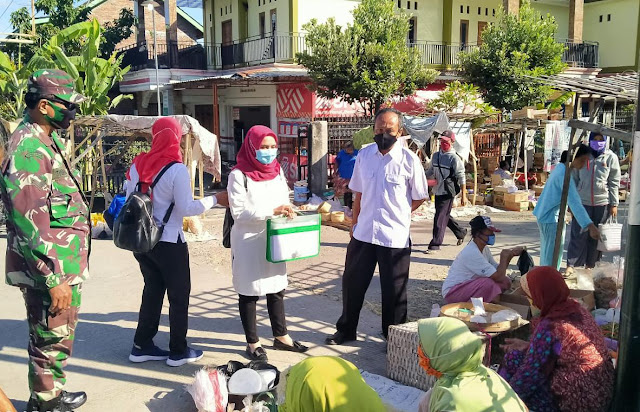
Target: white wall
[(237, 96), (322, 10)]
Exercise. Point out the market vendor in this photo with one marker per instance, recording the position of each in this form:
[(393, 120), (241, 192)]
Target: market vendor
[(475, 273), (566, 366), (531, 178), (450, 352), (326, 384), (503, 170), (345, 162), (548, 207)]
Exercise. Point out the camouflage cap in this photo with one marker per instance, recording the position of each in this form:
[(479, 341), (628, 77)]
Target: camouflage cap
[(54, 82)]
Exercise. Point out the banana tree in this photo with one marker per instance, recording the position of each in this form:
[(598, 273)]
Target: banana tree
[(95, 76)]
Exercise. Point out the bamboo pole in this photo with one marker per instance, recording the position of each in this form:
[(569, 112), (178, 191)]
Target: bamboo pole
[(475, 168)]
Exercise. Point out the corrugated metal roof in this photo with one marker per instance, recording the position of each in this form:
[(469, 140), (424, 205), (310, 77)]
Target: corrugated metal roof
[(263, 73)]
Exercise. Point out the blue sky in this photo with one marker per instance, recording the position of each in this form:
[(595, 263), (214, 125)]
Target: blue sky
[(9, 6)]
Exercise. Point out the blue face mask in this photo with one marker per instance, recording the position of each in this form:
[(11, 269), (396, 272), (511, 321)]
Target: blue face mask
[(266, 156), (491, 240)]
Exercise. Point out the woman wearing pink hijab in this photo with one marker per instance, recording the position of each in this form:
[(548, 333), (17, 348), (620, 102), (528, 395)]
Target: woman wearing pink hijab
[(258, 191)]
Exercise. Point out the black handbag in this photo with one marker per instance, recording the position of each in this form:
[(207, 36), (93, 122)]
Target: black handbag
[(525, 262), (228, 223), (135, 229)]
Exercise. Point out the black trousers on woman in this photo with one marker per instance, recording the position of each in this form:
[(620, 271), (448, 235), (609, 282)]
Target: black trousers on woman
[(165, 269), (275, 306)]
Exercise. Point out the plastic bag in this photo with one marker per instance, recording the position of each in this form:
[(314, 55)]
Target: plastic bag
[(610, 235), (525, 262), (209, 391)]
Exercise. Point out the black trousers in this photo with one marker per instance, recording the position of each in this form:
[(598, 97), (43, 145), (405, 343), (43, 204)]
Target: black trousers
[(393, 265), (275, 306), (165, 268), (442, 220)]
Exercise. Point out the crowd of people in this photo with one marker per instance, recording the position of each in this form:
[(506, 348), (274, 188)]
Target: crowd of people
[(564, 367)]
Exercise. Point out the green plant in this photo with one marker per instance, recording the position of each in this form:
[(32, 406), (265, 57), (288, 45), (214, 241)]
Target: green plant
[(514, 49), (367, 62), (95, 76), (564, 98)]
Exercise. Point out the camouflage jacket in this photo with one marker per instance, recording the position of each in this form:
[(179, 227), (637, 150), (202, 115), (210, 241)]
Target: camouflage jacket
[(48, 220)]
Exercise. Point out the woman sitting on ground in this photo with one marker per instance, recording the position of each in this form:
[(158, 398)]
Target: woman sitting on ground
[(451, 353), (475, 273), (327, 384), (566, 366)]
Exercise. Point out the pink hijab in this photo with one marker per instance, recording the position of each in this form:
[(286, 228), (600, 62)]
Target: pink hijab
[(247, 162)]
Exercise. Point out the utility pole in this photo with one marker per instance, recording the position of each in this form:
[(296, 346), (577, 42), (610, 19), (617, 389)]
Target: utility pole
[(627, 393)]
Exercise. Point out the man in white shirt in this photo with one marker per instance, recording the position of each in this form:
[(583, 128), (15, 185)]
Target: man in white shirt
[(388, 183)]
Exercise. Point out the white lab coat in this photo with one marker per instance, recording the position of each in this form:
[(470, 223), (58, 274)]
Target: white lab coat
[(253, 275)]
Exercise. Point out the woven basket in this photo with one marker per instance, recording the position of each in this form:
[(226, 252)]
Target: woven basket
[(402, 357)]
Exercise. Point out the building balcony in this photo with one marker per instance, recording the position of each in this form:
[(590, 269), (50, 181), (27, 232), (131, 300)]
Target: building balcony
[(171, 55), (255, 51), (282, 48), (439, 55)]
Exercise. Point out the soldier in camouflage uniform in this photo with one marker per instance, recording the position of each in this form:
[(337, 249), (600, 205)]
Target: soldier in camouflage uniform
[(48, 235)]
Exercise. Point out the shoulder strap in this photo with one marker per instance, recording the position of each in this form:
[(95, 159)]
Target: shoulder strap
[(162, 172)]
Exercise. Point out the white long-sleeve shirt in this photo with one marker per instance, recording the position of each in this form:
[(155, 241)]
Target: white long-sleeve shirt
[(174, 186)]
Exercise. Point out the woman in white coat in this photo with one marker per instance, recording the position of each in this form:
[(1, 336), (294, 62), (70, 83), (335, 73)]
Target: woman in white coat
[(258, 191)]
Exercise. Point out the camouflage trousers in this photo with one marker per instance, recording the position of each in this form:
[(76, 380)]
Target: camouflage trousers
[(50, 341)]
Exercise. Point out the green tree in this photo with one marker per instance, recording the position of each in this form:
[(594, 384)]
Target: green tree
[(95, 75), (369, 61), (63, 14), (513, 48)]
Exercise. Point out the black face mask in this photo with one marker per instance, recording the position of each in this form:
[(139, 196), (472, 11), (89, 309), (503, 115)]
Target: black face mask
[(384, 141), (62, 117)]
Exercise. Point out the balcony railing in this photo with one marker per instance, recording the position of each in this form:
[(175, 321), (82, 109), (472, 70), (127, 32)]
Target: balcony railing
[(254, 51), (282, 48), (583, 54), (441, 55), (171, 55)]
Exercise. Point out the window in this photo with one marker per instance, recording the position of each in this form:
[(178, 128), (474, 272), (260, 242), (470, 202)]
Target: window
[(399, 4), (468, 8), (226, 9), (486, 11), (461, 9), (231, 8), (409, 5), (608, 17), (479, 11), (601, 19), (221, 13), (415, 5)]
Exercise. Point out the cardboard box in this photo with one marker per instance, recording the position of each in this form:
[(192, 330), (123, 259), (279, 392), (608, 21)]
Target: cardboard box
[(483, 187), (498, 199), (530, 113), (516, 206), (505, 189), (538, 190), (480, 200), (585, 297), (541, 177), (496, 180), (517, 302), (516, 197), (622, 195)]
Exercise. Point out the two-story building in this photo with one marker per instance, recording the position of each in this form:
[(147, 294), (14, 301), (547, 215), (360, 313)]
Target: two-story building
[(250, 76)]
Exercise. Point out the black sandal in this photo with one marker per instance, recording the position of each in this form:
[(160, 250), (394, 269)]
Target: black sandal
[(297, 346)]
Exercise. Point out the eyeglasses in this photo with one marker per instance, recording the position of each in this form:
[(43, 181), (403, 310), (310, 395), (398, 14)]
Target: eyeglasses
[(67, 105)]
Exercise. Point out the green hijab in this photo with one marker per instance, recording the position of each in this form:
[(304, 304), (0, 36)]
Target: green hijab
[(328, 384), (465, 385)]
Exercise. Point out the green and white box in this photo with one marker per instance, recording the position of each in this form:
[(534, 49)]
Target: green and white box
[(293, 239)]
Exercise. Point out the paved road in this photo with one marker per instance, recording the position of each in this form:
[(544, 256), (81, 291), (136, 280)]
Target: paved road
[(111, 301)]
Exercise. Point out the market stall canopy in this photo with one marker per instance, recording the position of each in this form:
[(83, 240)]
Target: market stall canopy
[(205, 143), (422, 128)]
